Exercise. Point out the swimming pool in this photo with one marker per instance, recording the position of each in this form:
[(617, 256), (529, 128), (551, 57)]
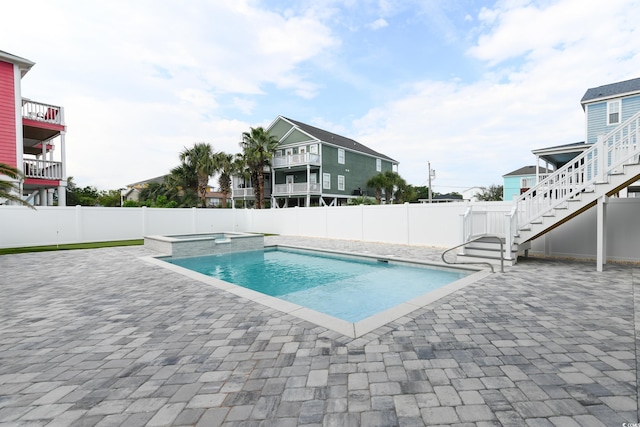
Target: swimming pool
[(346, 293), (349, 289)]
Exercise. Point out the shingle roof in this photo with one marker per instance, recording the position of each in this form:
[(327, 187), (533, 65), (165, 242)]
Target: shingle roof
[(610, 90), (527, 170), (339, 140)]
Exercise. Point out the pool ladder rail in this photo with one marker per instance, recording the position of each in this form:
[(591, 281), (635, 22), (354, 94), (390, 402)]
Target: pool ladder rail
[(484, 237)]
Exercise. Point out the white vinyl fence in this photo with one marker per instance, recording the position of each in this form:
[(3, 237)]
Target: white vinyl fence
[(436, 225)]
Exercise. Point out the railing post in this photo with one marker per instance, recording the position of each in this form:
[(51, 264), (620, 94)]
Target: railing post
[(508, 236), (602, 159)]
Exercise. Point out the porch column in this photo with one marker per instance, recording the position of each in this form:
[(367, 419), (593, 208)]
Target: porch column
[(62, 193), (601, 233), (62, 188), (42, 197), (308, 185), (537, 170)]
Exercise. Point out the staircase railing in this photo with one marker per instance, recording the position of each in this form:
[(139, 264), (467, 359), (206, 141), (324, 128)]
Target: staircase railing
[(476, 222), (498, 239), (593, 165)]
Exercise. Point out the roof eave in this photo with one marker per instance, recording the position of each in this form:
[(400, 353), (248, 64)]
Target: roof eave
[(607, 97), (23, 63)]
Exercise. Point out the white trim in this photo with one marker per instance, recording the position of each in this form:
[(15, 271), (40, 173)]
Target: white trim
[(617, 102), (17, 93), (326, 175), (343, 157), (341, 178)]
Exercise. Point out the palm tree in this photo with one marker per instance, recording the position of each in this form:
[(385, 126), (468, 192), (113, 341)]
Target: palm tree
[(258, 147), (201, 158), (183, 180), (8, 188), (378, 182), (225, 165), (393, 182)]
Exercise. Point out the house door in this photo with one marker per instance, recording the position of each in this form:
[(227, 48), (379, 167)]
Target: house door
[(289, 179)]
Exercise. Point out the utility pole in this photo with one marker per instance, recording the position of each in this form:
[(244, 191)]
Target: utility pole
[(432, 175)]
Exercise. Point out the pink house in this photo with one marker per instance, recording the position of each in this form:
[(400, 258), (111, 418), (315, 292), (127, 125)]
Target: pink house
[(30, 133)]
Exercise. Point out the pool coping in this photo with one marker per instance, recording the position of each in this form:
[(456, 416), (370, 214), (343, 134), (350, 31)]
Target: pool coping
[(349, 329)]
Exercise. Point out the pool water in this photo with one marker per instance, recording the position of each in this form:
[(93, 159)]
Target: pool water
[(347, 288)]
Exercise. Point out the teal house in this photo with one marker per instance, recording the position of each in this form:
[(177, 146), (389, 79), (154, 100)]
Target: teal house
[(520, 180)]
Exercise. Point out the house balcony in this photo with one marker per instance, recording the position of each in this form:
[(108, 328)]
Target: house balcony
[(42, 169), (299, 188), (294, 160), (530, 181), (40, 122), (242, 193)]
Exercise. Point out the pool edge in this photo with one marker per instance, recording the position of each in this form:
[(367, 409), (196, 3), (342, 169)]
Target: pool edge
[(349, 329)]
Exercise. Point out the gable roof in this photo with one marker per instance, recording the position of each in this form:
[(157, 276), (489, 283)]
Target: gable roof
[(612, 90), (339, 140), (158, 180), (527, 170)]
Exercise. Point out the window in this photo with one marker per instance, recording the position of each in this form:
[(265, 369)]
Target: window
[(341, 156), (379, 165), (313, 148), (341, 182), (326, 181), (613, 112)]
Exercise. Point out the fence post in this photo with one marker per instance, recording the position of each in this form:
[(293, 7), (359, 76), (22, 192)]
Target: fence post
[(79, 223), (194, 220), (144, 221)]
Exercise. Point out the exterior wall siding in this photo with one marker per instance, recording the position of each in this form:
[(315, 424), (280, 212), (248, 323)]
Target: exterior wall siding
[(295, 137), (630, 106), (597, 116), (280, 129), (7, 115), (511, 187), (357, 170)]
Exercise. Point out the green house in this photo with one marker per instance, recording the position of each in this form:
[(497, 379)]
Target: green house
[(314, 167)]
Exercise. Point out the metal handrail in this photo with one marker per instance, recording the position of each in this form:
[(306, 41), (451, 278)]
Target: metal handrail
[(479, 262)]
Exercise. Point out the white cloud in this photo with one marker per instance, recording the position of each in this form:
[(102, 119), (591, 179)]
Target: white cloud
[(474, 132), (378, 23)]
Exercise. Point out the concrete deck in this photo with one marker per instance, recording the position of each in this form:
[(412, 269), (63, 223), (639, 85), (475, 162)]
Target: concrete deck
[(102, 338)]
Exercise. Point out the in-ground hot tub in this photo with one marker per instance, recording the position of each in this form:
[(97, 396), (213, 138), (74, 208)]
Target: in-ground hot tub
[(195, 244)]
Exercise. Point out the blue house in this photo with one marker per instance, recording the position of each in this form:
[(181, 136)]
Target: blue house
[(606, 107), (520, 180), (580, 175)]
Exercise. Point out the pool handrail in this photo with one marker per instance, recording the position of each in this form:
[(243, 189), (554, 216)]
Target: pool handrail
[(486, 236)]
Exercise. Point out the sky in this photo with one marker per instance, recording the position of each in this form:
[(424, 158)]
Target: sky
[(470, 87)]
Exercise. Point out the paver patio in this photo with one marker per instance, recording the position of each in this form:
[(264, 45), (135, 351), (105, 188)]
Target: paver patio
[(102, 338)]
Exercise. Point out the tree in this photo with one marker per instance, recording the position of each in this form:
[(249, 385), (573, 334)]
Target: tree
[(225, 165), (394, 186), (83, 196), (200, 157), (377, 182), (183, 181), (10, 189), (492, 193), (109, 198), (258, 147)]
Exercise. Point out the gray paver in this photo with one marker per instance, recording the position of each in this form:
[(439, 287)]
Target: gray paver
[(118, 341)]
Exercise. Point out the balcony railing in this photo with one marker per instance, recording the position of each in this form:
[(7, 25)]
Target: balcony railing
[(43, 169), (296, 188), (296, 160), (243, 192), (41, 112), (531, 181)]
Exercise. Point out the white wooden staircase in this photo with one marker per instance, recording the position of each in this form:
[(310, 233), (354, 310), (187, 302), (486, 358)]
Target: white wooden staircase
[(607, 167)]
